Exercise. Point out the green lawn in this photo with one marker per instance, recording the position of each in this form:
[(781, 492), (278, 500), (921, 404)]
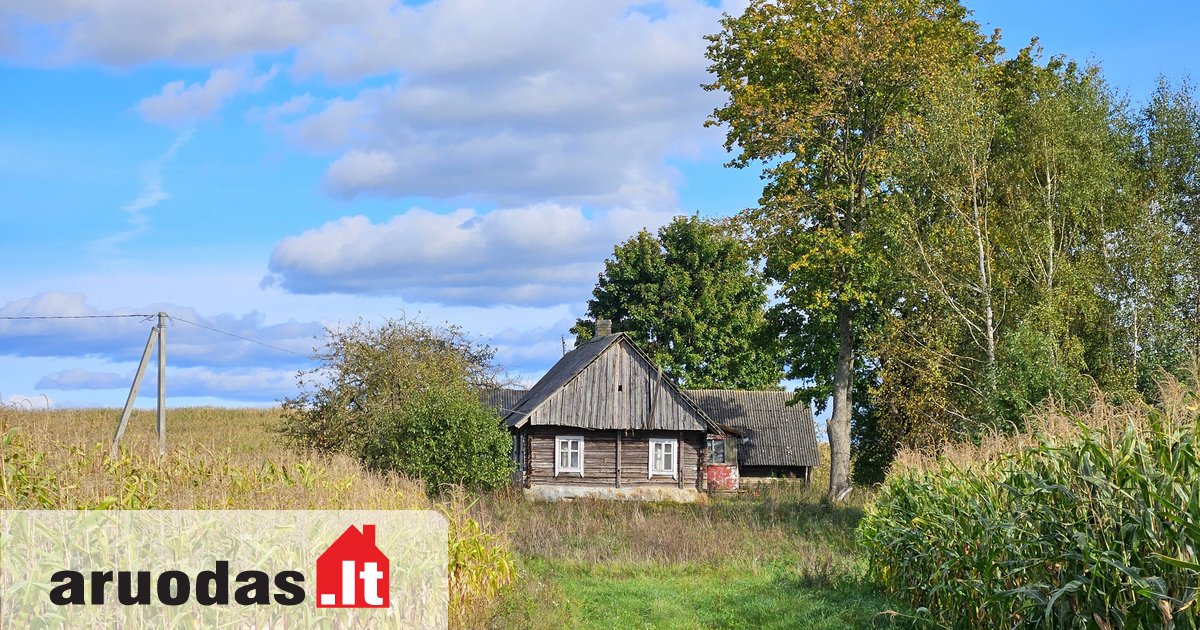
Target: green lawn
[(781, 558), (706, 597)]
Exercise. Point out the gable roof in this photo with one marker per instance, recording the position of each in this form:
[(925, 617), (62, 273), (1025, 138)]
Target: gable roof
[(567, 368), (777, 434), (574, 363)]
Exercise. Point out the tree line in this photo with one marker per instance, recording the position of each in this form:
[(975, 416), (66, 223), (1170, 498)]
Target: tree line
[(948, 234)]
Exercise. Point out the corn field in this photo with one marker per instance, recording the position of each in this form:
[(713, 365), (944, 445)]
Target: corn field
[(1096, 526), (227, 459)]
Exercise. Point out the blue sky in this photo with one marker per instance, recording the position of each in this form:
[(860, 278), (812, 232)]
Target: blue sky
[(268, 168)]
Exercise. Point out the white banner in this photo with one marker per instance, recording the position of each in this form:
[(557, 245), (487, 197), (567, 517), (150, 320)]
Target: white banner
[(229, 569)]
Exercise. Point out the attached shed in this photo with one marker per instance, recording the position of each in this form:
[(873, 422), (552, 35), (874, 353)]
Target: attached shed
[(501, 400), (606, 422), (778, 439)]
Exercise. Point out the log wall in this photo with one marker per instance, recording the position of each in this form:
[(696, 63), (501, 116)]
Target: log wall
[(600, 458)]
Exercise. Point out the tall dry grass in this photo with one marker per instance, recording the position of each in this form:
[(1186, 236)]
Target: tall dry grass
[(755, 528), (226, 459), (1105, 419)]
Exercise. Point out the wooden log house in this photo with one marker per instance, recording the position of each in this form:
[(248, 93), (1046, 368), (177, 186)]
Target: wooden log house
[(605, 422)]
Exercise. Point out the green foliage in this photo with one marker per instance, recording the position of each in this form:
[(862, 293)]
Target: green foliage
[(820, 93), (821, 106), (444, 436), (875, 442), (400, 398), (694, 301), (1098, 531), (969, 235), (1036, 256), (1035, 367), (1170, 159), (26, 482)]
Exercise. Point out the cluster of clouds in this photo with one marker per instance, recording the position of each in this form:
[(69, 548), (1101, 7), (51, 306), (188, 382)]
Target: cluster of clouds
[(116, 335), (201, 362), (252, 385), (102, 348), (515, 101), (565, 117)]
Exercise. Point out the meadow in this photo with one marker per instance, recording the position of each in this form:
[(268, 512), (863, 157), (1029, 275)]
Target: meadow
[(778, 557)]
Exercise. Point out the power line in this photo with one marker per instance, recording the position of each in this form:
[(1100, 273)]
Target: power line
[(75, 316), (144, 316), (265, 345)]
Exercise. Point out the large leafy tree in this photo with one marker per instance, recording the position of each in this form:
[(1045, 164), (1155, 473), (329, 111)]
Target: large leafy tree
[(819, 92), (691, 298)]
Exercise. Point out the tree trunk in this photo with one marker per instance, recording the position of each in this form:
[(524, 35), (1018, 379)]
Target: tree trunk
[(839, 422), (980, 226)]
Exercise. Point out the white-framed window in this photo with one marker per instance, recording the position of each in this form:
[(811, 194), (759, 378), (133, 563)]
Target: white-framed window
[(568, 454), (664, 458)]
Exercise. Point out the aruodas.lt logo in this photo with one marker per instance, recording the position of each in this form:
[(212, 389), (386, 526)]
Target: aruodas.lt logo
[(353, 572)]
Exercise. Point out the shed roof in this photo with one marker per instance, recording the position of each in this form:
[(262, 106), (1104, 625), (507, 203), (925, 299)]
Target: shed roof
[(777, 434), (502, 400)]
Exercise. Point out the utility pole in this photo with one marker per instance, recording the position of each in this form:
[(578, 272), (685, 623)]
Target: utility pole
[(162, 383), (157, 334)]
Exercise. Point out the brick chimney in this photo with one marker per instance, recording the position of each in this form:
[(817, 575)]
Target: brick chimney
[(603, 327)]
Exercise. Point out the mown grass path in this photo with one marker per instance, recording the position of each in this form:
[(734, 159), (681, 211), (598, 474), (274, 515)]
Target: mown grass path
[(705, 597), (778, 557)]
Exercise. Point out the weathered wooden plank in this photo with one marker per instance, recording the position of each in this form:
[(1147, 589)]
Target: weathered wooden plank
[(620, 390)]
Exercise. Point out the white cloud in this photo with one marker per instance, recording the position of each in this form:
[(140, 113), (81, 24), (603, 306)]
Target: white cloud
[(179, 102), (273, 116), (83, 379), (130, 32), (151, 195), (576, 102), (357, 170), (534, 255), (510, 102)]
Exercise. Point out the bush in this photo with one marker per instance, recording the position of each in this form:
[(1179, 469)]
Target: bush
[(445, 437), (400, 397), (1099, 530)]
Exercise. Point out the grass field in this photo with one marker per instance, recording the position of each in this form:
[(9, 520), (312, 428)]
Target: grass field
[(777, 558)]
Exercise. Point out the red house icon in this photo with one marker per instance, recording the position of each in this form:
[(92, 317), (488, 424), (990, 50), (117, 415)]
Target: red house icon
[(353, 572)]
